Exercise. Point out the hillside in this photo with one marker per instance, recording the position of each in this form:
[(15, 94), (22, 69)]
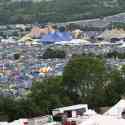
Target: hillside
[(57, 10)]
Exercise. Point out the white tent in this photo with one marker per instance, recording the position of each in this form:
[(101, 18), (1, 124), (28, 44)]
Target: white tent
[(114, 33), (4, 123), (103, 120), (117, 109), (73, 42)]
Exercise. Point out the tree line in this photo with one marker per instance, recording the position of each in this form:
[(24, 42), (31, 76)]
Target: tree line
[(86, 80), (56, 10)]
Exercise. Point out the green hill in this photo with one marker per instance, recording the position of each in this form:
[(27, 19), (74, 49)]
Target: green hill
[(57, 10)]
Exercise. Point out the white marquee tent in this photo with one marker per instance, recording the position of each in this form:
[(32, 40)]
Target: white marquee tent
[(103, 120), (117, 109)]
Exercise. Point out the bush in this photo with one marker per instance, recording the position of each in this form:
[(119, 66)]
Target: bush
[(16, 56), (116, 55), (50, 53)]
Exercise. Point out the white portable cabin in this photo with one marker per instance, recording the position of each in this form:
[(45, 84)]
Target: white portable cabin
[(73, 110)]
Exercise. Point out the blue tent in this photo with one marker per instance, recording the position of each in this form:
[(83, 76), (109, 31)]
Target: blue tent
[(52, 37)]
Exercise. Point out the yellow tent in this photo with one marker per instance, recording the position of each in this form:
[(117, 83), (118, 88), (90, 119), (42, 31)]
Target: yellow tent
[(26, 38)]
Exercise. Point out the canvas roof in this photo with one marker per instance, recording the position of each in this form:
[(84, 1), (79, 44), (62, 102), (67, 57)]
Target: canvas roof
[(114, 33), (52, 37), (68, 108), (117, 109), (103, 120)]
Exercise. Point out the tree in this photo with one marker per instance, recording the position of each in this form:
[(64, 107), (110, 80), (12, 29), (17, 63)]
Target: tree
[(25, 108), (48, 94), (8, 107), (84, 78), (115, 88), (115, 54)]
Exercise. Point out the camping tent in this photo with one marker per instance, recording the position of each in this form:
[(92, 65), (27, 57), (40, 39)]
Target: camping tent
[(53, 37)]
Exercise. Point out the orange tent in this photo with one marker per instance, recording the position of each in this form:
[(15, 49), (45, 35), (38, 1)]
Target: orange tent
[(44, 70)]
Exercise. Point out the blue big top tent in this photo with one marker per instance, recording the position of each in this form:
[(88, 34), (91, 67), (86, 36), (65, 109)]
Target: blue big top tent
[(52, 37)]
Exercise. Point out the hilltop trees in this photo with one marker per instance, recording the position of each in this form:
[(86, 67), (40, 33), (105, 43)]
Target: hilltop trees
[(57, 10)]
